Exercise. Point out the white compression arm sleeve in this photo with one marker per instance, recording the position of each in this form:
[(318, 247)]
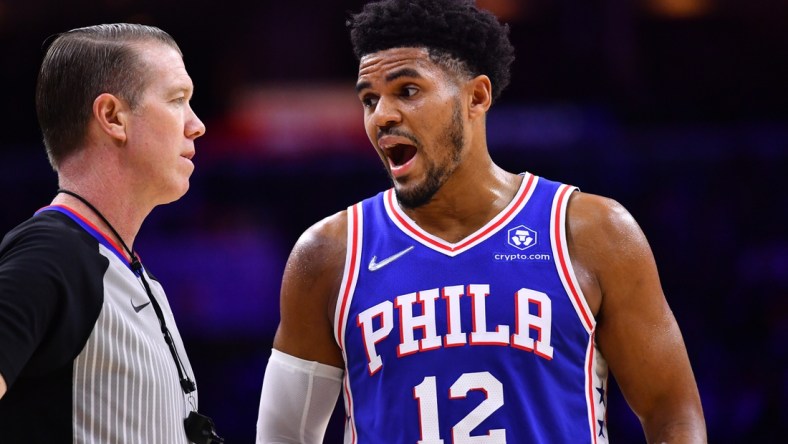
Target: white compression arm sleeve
[(297, 400)]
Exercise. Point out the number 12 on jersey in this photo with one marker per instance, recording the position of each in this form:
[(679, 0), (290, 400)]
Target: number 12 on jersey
[(426, 395)]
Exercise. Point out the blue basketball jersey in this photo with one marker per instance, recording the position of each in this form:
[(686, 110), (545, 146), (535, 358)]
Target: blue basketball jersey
[(486, 340)]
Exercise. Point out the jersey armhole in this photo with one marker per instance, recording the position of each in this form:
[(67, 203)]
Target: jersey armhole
[(562, 261), (350, 273)]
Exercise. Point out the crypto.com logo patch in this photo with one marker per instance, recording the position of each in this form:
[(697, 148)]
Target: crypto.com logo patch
[(521, 237)]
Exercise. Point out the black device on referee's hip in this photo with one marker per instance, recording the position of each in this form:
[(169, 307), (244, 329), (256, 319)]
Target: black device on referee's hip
[(200, 429)]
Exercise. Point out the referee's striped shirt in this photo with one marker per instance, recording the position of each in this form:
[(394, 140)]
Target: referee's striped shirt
[(85, 360)]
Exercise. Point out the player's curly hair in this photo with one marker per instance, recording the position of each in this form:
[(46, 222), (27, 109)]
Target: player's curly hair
[(455, 32)]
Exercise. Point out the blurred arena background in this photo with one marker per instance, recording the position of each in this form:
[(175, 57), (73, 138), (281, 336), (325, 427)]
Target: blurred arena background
[(676, 108)]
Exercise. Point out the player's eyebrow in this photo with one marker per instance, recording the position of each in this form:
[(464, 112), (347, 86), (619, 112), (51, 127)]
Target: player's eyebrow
[(404, 72)]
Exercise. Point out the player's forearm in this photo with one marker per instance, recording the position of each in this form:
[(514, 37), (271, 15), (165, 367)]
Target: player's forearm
[(297, 400), (690, 429)]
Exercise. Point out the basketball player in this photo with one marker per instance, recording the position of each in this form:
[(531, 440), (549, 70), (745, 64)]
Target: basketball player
[(467, 303), (89, 350)]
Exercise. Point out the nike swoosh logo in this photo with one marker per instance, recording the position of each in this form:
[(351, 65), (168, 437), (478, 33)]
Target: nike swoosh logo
[(138, 308), (374, 265)]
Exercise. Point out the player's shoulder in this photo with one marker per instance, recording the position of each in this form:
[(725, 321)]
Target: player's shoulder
[(595, 207), (326, 232), (314, 269), (601, 221), (323, 243)]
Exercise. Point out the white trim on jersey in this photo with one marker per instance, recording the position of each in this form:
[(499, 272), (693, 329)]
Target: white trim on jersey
[(355, 227), (596, 376), (563, 262), (595, 366), (409, 227)]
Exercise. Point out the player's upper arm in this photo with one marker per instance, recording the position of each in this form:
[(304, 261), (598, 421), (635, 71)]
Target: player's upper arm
[(2, 387), (636, 330), (310, 286)]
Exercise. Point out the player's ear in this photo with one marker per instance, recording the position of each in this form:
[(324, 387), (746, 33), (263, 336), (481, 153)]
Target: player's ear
[(111, 113), (480, 89)]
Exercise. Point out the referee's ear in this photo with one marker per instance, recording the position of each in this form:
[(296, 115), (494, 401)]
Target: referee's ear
[(111, 114)]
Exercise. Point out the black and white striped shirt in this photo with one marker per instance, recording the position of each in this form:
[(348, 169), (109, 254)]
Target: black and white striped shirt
[(81, 348)]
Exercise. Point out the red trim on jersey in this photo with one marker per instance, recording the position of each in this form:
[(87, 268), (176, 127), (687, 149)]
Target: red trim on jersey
[(351, 272), (590, 379), (349, 416), (452, 248), (352, 269), (562, 260), (91, 225)]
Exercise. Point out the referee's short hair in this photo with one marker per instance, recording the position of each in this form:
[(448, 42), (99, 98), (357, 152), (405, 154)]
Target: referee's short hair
[(81, 64)]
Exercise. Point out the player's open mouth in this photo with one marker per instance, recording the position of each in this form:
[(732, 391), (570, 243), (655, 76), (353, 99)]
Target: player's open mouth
[(400, 154)]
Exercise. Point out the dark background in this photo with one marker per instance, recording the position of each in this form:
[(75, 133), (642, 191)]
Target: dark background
[(676, 108)]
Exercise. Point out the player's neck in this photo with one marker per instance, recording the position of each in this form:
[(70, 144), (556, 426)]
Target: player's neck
[(465, 204)]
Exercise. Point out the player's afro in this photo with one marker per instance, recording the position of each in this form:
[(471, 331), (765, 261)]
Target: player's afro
[(456, 28)]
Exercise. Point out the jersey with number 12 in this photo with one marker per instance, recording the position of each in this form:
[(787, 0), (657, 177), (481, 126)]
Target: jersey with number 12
[(485, 340)]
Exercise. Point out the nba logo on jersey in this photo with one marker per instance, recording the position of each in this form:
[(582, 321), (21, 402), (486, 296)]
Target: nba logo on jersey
[(522, 237)]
